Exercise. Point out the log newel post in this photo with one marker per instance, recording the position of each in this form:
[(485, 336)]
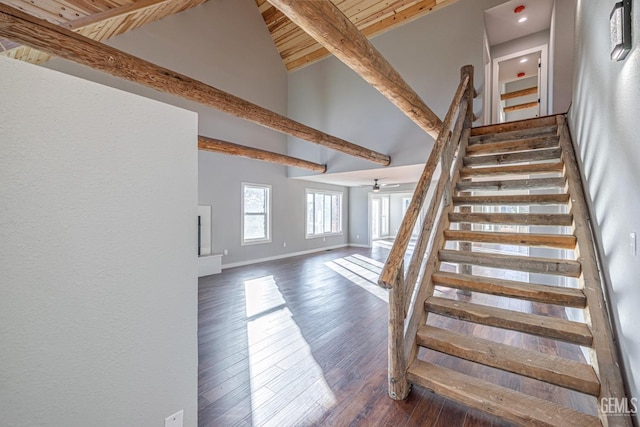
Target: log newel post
[(398, 385)]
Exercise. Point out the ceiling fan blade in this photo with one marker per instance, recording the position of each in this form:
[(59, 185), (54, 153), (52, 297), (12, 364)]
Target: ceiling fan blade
[(390, 185)]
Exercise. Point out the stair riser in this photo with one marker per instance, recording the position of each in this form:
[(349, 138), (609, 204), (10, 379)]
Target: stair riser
[(511, 146), (551, 369), (539, 329), (556, 167), (566, 297), (513, 219), (559, 268), (515, 184), (522, 157)]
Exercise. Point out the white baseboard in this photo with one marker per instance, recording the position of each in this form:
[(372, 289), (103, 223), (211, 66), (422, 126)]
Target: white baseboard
[(359, 245), (281, 256)]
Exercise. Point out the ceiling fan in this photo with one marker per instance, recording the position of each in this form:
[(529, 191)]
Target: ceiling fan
[(377, 186)]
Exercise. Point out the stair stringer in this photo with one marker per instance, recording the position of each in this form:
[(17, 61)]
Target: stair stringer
[(603, 352)]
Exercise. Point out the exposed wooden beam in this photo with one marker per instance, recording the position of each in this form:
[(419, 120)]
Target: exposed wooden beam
[(224, 147), (521, 106), (323, 21), (58, 41), (519, 93)]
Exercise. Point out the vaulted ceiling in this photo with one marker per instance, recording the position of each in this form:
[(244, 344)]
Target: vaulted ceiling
[(103, 19)]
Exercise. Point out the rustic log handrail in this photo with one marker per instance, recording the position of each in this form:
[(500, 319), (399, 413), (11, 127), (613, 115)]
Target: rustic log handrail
[(399, 248), (401, 289)]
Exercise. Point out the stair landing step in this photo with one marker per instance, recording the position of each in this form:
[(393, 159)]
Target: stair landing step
[(534, 168), (496, 400), (523, 199), (512, 219), (544, 367), (519, 157), (560, 267), (567, 297), (563, 241), (511, 184), (524, 144), (544, 326), (516, 135)]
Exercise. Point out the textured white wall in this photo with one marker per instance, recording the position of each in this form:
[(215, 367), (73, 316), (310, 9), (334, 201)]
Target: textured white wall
[(604, 122), (98, 297)]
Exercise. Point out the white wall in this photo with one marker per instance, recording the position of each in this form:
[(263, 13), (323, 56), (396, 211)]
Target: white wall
[(226, 44), (527, 42), (98, 305), (561, 55), (604, 122), (427, 52)]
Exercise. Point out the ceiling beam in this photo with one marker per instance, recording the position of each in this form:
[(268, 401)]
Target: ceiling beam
[(42, 35), (229, 148), (323, 21)]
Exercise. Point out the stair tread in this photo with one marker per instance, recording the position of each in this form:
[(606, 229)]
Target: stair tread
[(515, 219), (522, 199), (534, 364), (535, 324), (560, 267), (564, 241), (511, 184), (522, 144), (518, 125), (496, 400), (568, 297), (519, 157), (527, 169)]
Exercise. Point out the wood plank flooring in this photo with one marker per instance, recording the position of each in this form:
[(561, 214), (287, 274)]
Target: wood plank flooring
[(303, 342)]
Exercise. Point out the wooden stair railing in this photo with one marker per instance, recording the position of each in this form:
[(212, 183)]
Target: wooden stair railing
[(439, 341), (392, 276)]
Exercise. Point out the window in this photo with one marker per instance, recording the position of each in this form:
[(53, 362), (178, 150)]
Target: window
[(324, 213), (256, 213)]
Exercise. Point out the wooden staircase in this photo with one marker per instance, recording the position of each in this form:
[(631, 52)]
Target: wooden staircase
[(512, 213)]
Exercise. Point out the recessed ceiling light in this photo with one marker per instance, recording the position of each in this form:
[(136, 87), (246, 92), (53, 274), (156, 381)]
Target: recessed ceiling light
[(523, 60), (521, 20)]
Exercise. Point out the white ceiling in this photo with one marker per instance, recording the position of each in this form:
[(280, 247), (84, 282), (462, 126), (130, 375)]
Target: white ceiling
[(502, 23), (388, 175), (510, 68)]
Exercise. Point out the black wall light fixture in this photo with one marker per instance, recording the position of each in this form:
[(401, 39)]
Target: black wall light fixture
[(620, 27)]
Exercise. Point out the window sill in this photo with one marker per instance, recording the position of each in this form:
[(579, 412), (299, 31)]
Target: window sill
[(254, 242)]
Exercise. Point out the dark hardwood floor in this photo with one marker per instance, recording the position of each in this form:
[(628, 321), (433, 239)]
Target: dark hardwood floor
[(303, 342)]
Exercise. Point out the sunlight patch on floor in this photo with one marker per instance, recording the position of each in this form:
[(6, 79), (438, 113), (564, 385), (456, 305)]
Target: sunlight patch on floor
[(361, 271), (279, 356)]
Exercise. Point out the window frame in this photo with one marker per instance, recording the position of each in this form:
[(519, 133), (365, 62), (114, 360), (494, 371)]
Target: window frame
[(267, 239), (324, 193)]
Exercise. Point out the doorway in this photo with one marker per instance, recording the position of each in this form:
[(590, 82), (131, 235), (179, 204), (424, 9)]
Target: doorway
[(519, 87), (379, 217)]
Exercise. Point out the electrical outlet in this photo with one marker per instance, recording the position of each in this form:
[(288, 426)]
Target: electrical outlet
[(174, 420), (284, 245), (226, 252), (633, 248), (357, 237)]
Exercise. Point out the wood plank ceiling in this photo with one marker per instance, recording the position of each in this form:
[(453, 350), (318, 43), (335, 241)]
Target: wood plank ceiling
[(102, 19), (371, 17), (96, 19)]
